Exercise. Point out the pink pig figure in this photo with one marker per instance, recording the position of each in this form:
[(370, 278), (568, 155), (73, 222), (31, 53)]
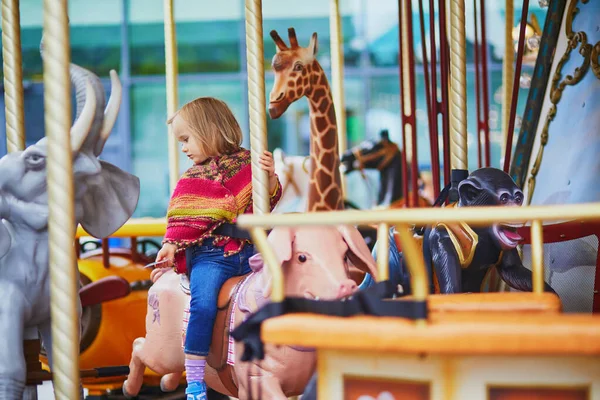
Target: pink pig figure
[(315, 263)]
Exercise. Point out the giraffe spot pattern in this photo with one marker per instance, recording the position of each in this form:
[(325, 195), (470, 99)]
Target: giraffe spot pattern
[(325, 182)]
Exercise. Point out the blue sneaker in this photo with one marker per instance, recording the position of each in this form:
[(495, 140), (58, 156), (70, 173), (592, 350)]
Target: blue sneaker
[(196, 391)]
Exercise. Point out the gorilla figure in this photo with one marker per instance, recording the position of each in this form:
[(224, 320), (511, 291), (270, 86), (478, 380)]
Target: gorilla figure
[(459, 257)]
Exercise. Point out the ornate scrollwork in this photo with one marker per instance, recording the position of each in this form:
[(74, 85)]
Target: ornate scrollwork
[(590, 56)]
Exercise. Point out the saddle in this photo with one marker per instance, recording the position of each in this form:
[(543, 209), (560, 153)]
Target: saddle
[(219, 347)]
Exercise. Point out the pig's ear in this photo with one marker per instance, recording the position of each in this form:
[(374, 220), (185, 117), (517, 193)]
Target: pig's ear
[(358, 251)]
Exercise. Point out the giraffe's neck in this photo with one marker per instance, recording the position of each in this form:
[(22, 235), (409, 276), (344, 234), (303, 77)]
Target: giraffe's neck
[(325, 188)]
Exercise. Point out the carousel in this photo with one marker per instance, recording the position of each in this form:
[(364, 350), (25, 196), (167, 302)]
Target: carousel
[(458, 284)]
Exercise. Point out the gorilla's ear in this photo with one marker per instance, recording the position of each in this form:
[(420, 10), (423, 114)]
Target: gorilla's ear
[(469, 190)]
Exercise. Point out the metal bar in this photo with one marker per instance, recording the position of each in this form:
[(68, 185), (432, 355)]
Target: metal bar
[(537, 256), (257, 103), (458, 86), (477, 88), (507, 69), (435, 106), (515, 87), (475, 216), (172, 92), (431, 115), (414, 262), (124, 119), (485, 83), (444, 77), (410, 43), (337, 73), (259, 237), (13, 76), (61, 208), (401, 45), (383, 252)]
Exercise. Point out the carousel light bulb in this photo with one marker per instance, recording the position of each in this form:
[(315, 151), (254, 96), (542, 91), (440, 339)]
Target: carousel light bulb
[(525, 81), (544, 3)]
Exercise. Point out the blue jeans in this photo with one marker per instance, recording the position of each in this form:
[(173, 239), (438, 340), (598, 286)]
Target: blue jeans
[(209, 269)]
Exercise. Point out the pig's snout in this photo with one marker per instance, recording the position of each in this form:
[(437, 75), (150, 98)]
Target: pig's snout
[(346, 288)]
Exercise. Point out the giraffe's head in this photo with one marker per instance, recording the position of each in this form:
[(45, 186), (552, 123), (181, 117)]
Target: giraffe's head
[(295, 70)]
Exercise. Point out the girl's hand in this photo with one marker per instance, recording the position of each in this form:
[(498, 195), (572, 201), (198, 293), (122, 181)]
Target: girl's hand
[(167, 252), (267, 163)]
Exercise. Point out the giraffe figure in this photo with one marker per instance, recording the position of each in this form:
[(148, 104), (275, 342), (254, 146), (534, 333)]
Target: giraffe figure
[(298, 74)]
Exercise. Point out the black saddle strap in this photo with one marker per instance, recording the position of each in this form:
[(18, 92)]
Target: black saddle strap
[(232, 231), (366, 302)]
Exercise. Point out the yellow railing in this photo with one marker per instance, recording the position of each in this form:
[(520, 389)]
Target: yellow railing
[(475, 216)]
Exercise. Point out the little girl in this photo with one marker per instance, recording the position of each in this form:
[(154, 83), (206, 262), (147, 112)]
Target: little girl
[(206, 202)]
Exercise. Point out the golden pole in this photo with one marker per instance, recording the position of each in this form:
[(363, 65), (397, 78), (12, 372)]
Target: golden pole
[(383, 252), (259, 237), (537, 256), (508, 71), (475, 216), (172, 94), (13, 76), (458, 86), (337, 78), (257, 103), (61, 208)]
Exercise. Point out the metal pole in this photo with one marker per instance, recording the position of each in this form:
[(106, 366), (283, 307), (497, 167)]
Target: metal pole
[(337, 78), (257, 103), (61, 218), (13, 76), (172, 92), (458, 86), (507, 70)]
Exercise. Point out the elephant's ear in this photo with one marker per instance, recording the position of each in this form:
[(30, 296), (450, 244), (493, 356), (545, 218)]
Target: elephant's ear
[(5, 239), (110, 200)]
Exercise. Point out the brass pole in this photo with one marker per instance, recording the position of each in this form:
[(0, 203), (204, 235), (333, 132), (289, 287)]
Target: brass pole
[(259, 237), (13, 76), (458, 86), (508, 71), (475, 216), (61, 218), (383, 252), (172, 92), (537, 256), (337, 78), (256, 103), (414, 262)]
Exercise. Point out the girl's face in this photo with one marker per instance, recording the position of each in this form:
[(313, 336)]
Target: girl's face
[(190, 146)]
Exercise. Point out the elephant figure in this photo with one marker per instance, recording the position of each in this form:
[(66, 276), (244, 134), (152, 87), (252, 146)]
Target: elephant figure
[(105, 198), (315, 265)]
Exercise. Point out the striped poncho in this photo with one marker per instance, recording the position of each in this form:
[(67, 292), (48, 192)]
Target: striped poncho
[(208, 195)]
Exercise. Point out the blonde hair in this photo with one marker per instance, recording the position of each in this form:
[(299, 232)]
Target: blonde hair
[(213, 124)]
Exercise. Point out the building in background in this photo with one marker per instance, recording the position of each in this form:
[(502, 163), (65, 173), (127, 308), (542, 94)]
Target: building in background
[(128, 35)]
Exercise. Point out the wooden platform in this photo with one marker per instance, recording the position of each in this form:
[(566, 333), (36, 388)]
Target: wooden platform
[(466, 333)]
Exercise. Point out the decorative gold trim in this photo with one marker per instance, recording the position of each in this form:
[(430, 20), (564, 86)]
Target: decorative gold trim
[(590, 56), (465, 260)]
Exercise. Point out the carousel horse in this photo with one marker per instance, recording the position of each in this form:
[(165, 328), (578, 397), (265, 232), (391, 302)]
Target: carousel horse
[(386, 157), (294, 177)]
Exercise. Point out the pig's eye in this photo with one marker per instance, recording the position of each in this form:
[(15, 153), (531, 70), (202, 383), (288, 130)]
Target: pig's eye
[(301, 258)]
